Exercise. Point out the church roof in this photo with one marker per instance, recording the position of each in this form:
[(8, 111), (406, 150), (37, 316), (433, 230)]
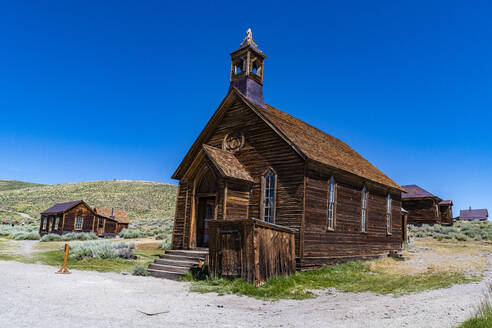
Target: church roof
[(323, 148), (308, 141), (227, 164)]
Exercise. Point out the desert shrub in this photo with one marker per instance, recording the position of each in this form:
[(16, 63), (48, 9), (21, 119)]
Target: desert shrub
[(134, 233), (101, 249), (24, 235), (139, 270), (162, 235), (166, 244), (51, 237), (79, 236), (461, 237)]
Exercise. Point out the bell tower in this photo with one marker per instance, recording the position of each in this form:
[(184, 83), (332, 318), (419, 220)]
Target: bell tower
[(247, 70)]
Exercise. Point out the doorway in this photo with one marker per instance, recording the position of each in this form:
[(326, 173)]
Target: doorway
[(206, 212)]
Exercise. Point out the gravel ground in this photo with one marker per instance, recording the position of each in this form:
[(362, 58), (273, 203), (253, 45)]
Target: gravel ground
[(31, 295)]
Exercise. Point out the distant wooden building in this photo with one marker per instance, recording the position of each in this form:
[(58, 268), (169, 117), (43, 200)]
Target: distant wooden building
[(77, 216), (68, 217), (111, 221), (474, 214), (254, 161), (426, 208)]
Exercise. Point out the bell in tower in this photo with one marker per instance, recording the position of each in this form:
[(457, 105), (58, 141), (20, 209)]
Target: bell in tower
[(247, 70)]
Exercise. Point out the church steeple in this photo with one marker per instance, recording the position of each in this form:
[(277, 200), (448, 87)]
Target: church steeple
[(247, 69)]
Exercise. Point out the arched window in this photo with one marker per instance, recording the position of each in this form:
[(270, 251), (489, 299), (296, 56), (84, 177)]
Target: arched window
[(388, 214), (269, 181), (363, 218), (330, 225)]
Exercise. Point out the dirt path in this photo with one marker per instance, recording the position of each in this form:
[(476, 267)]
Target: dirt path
[(32, 295), (24, 215)]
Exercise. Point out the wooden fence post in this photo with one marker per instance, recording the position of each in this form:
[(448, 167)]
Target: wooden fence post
[(64, 267)]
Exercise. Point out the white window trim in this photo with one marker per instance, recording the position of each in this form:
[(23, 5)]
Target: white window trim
[(363, 214), (263, 197), (331, 215), (81, 222), (388, 214)]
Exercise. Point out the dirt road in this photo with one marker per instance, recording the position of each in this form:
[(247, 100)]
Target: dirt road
[(32, 295)]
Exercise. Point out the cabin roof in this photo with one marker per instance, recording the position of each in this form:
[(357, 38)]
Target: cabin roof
[(119, 215), (471, 214), (306, 140), (61, 207), (227, 164), (414, 191), (446, 202)]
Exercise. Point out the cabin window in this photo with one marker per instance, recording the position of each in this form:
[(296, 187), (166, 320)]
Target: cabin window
[(45, 220), (363, 219), (78, 223), (269, 196), (101, 223), (388, 214), (57, 222), (331, 205)]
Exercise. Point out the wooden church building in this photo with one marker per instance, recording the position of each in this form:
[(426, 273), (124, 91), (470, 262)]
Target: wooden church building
[(253, 161)]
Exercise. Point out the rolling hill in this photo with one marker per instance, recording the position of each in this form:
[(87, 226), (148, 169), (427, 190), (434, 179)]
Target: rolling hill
[(143, 200), (13, 185)]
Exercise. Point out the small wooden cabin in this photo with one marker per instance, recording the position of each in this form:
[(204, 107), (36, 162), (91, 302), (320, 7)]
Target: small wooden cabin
[(426, 208), (254, 161), (68, 217), (111, 221)]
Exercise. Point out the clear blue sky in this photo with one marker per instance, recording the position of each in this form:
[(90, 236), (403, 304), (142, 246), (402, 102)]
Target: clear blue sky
[(94, 90)]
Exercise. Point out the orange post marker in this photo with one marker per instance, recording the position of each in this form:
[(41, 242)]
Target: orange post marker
[(64, 267)]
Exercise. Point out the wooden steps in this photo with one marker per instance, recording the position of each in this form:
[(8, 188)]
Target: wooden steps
[(175, 263)]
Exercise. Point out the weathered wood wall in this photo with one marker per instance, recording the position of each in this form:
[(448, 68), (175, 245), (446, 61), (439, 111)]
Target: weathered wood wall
[(82, 211), (263, 149), (110, 227), (251, 249), (421, 211), (347, 241), (446, 212)]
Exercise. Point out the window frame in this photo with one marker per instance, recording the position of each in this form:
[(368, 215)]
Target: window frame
[(331, 201), (363, 209), (389, 219), (262, 195), (57, 223), (81, 222), (44, 223)]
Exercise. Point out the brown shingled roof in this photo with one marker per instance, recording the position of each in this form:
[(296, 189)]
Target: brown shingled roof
[(227, 163), (119, 215), (308, 141), (322, 147)]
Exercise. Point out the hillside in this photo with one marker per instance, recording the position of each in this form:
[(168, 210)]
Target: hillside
[(142, 200), (14, 185)]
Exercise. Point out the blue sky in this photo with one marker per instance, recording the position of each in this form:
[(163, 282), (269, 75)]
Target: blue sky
[(120, 89)]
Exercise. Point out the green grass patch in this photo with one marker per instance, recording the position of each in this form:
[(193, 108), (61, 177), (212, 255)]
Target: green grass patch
[(483, 313), (347, 277), (55, 258)]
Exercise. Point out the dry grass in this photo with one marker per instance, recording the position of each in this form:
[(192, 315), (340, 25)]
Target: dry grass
[(429, 256)]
